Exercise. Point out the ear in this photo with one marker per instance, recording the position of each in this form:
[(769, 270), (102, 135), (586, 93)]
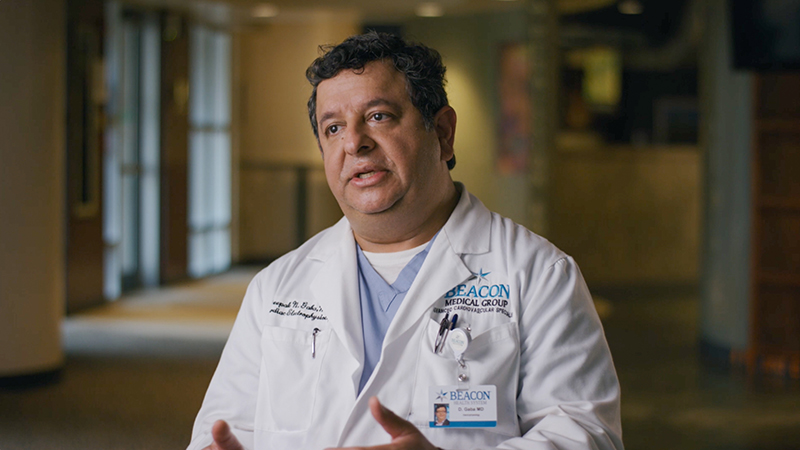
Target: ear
[(444, 122)]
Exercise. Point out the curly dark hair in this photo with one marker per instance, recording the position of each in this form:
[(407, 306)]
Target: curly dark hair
[(422, 67)]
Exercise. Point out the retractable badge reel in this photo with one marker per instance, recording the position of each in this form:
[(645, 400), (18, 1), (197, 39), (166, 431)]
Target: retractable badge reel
[(458, 340)]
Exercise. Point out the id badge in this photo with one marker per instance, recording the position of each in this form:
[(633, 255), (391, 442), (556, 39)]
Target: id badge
[(451, 407)]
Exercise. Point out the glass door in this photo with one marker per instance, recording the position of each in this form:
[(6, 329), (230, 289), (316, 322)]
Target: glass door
[(131, 224)]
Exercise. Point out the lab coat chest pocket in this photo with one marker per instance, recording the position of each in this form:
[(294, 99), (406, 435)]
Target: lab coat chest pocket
[(289, 377), (493, 359)]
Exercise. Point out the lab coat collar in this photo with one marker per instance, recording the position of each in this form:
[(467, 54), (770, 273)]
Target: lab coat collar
[(335, 287), (469, 226)]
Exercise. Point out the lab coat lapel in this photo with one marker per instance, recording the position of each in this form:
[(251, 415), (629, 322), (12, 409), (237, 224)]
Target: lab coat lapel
[(466, 231), (335, 287)]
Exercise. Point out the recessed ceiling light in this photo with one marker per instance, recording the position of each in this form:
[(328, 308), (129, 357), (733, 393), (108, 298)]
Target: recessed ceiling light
[(265, 10), (630, 7), (429, 9)]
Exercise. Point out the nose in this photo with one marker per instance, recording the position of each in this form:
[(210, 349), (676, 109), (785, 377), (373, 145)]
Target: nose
[(357, 139)]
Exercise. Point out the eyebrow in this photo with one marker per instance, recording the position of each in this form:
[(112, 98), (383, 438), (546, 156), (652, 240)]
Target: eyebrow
[(371, 104), (381, 101)]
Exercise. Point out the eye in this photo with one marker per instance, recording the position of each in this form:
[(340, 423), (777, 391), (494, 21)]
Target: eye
[(333, 129), (378, 117)]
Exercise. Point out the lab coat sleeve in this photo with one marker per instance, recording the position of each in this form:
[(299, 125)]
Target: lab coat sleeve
[(568, 395), (231, 393)]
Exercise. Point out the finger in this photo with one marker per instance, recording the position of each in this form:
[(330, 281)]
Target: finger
[(377, 447), (390, 421), (223, 437)]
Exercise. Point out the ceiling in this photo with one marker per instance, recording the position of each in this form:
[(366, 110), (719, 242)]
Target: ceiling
[(368, 10), (658, 21), (373, 9)]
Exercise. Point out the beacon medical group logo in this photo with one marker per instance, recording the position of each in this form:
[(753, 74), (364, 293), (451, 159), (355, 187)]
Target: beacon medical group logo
[(465, 396), (478, 295)]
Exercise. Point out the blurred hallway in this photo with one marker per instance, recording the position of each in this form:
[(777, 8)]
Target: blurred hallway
[(137, 369), (135, 373), (672, 163)]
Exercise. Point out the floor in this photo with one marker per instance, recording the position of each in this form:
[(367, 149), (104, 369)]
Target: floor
[(136, 371), (673, 400)]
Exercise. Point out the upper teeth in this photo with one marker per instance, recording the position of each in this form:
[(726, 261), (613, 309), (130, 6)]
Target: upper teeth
[(366, 174)]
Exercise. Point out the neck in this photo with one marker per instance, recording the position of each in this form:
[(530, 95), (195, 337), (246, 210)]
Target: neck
[(394, 232)]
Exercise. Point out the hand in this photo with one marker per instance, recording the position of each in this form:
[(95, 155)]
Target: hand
[(223, 438), (405, 436)]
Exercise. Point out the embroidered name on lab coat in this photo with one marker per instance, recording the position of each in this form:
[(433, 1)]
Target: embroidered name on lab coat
[(306, 310)]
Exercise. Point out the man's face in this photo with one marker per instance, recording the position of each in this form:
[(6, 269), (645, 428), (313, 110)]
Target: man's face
[(441, 414), (377, 153)]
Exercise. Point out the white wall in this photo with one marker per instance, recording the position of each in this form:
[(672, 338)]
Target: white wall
[(32, 126), (274, 131), (629, 215)]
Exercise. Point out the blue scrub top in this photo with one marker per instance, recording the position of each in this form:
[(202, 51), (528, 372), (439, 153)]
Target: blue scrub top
[(379, 303)]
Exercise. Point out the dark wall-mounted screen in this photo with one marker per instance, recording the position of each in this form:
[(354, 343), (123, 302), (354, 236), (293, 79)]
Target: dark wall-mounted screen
[(766, 34)]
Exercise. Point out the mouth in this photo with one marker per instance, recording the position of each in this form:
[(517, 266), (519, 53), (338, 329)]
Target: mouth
[(367, 176)]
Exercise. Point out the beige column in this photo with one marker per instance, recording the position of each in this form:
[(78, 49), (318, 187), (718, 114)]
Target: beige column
[(32, 126), (726, 122)]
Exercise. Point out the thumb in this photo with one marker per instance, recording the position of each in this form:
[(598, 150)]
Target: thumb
[(223, 437), (390, 421)]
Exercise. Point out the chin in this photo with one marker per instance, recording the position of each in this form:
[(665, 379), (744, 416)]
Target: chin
[(371, 211), (375, 207)]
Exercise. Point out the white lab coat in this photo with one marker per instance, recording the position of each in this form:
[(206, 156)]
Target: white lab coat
[(545, 351)]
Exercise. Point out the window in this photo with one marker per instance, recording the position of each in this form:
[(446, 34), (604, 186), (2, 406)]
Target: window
[(209, 151)]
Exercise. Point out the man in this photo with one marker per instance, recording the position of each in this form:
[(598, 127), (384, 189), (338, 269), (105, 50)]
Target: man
[(441, 416), (418, 296)]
